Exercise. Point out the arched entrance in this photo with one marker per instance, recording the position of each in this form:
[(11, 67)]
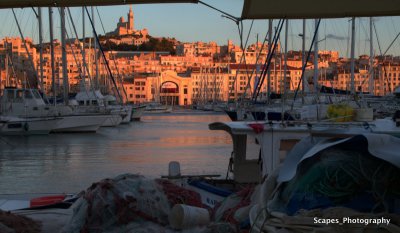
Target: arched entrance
[(169, 93)]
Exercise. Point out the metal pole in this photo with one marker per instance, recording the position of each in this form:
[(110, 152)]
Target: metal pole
[(269, 52), (315, 79), (64, 56), (83, 47), (96, 60), (285, 67), (303, 58), (352, 62), (41, 48), (371, 58), (53, 78)]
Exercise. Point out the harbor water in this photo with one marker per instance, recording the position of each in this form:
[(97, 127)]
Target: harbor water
[(72, 162)]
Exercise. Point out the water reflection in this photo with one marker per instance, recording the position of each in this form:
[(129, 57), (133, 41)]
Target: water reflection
[(71, 162)]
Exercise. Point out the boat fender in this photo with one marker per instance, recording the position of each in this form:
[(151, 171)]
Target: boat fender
[(46, 200), (26, 126)]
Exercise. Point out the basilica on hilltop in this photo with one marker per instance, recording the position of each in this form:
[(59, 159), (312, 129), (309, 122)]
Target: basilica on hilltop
[(125, 28)]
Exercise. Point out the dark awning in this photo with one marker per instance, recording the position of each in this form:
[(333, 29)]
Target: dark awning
[(308, 9), (75, 3)]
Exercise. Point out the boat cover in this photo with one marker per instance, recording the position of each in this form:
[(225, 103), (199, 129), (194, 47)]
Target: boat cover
[(381, 146)]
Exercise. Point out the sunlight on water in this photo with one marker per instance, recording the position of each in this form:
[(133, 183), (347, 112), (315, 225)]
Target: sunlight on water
[(71, 162)]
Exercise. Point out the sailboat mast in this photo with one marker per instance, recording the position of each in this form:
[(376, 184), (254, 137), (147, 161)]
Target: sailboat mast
[(41, 48), (353, 39), (371, 58), (285, 58), (25, 46), (96, 60), (6, 67), (269, 52), (83, 48), (315, 79), (53, 73), (5, 78), (64, 56), (303, 58)]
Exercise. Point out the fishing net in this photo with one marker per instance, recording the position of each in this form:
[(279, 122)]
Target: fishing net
[(127, 203), (304, 222), (12, 223), (342, 177), (235, 208)]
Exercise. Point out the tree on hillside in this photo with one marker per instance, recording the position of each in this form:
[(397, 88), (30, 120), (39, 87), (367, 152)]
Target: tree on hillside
[(154, 44)]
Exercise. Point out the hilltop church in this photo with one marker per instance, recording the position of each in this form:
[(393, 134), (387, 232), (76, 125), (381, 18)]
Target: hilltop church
[(127, 28)]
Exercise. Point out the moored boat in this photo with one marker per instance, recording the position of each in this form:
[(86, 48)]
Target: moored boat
[(29, 104), (137, 112), (157, 108), (80, 123), (27, 126)]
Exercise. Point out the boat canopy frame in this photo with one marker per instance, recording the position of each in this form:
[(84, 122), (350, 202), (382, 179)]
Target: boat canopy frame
[(79, 3)]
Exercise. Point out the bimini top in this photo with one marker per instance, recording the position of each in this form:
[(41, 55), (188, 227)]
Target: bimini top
[(74, 3), (308, 9)]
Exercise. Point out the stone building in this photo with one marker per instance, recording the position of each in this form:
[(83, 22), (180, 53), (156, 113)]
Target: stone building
[(125, 27)]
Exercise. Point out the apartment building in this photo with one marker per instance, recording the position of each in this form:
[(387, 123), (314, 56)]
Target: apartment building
[(198, 49), (17, 62), (155, 76)]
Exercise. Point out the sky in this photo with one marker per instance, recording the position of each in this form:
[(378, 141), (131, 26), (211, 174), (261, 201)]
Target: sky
[(197, 22)]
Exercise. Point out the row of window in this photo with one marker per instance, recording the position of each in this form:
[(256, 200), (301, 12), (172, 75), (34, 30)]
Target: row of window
[(138, 96)]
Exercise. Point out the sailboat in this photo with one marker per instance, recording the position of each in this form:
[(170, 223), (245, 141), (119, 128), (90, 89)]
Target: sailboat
[(20, 113), (137, 112), (109, 102), (11, 125), (93, 103), (87, 112)]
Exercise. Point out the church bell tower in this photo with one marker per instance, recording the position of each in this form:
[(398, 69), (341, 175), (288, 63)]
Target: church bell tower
[(130, 19)]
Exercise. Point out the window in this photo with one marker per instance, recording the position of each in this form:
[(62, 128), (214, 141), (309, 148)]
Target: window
[(185, 91)]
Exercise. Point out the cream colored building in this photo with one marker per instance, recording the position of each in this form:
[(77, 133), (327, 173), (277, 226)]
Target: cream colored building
[(198, 49), (16, 67)]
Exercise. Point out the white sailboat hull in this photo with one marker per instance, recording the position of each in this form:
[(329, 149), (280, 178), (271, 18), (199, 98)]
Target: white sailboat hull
[(27, 126), (80, 123), (128, 116), (159, 109), (137, 112), (124, 111), (112, 120)]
